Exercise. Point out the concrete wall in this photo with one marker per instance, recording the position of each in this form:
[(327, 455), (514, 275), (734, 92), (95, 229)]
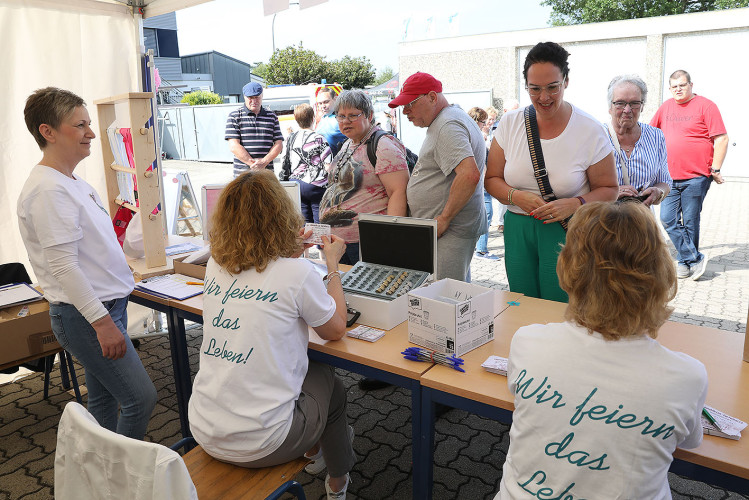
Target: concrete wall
[(705, 44)]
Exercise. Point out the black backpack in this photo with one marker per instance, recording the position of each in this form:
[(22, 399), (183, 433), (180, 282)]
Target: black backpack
[(411, 157)]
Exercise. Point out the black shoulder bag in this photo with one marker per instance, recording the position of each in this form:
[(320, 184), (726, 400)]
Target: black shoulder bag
[(537, 157)]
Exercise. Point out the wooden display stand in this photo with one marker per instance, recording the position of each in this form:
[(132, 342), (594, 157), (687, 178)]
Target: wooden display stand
[(133, 110)]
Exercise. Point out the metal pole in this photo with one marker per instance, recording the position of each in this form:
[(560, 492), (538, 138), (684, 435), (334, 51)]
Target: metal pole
[(273, 33)]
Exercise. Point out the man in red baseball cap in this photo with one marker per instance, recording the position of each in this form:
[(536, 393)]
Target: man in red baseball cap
[(446, 182)]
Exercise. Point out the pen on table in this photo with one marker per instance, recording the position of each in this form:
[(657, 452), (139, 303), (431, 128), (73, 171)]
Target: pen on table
[(711, 419), (194, 283)]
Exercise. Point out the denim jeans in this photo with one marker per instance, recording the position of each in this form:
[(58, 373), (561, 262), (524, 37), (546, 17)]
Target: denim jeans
[(121, 383), (680, 214), (351, 255), (482, 244)]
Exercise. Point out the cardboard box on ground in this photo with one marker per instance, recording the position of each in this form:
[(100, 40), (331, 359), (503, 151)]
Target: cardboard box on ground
[(450, 316)]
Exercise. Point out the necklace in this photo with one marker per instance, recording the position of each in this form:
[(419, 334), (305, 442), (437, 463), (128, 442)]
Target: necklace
[(346, 156)]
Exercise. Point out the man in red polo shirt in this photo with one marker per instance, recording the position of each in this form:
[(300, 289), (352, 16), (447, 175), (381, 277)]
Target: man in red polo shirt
[(696, 143)]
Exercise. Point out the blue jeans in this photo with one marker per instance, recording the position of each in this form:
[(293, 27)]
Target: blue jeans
[(680, 214), (481, 245), (311, 196), (121, 383)]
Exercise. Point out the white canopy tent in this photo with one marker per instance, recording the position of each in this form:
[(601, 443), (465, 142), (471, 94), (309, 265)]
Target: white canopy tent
[(91, 47)]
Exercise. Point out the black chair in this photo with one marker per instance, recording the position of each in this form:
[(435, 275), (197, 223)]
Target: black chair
[(15, 272)]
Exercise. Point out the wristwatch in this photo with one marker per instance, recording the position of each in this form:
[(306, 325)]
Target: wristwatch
[(715, 170)]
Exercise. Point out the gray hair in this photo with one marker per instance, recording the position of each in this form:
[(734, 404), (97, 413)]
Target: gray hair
[(634, 80), (357, 99)]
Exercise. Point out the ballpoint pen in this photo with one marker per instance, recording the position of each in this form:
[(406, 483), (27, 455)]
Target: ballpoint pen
[(711, 419)]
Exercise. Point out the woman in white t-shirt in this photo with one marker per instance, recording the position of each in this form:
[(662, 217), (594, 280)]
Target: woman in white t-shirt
[(75, 255), (580, 164), (257, 400), (600, 405)]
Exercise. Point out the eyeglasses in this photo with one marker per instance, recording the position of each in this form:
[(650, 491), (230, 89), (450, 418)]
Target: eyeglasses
[(410, 104), (350, 118), (551, 89), (634, 105), (681, 86)]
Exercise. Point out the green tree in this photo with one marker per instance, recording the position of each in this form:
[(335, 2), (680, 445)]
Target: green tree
[(352, 72), (260, 69), (201, 97), (385, 74), (565, 12), (295, 65)]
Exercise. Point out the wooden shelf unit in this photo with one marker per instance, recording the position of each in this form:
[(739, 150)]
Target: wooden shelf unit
[(133, 110)]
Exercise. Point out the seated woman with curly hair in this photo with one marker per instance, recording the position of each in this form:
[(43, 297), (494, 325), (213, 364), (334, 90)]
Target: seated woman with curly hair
[(257, 400), (600, 405)]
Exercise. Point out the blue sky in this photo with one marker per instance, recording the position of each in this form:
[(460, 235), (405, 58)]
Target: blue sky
[(337, 28)]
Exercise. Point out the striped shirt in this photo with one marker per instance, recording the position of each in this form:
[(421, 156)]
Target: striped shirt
[(256, 134), (647, 164)]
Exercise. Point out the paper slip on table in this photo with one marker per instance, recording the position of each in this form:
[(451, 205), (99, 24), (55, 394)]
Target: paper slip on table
[(717, 460)]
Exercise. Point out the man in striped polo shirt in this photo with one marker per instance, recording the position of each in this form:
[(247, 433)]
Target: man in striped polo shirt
[(253, 133)]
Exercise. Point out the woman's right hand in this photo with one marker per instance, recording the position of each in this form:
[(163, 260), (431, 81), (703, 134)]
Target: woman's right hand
[(111, 339), (333, 249), (527, 201)]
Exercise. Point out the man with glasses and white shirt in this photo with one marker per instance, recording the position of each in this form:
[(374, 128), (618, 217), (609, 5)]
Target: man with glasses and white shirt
[(696, 142), (253, 132), (445, 184)]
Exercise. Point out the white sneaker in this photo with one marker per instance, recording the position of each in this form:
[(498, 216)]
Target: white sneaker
[(317, 465), (336, 495), (699, 267)]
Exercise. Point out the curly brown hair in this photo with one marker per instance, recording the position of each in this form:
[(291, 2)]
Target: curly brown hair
[(254, 222), (617, 270)]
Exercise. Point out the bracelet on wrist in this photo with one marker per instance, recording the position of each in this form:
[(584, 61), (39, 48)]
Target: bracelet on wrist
[(714, 170), (582, 200), (327, 278), (509, 195)]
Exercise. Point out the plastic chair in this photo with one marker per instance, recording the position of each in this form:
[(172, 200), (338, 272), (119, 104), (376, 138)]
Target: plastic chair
[(94, 463)]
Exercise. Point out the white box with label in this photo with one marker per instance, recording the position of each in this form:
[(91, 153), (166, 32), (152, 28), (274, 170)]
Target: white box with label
[(450, 316)]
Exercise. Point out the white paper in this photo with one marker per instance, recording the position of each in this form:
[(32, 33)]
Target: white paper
[(173, 286), (496, 364), (366, 333), (18, 293), (318, 230), (730, 427)]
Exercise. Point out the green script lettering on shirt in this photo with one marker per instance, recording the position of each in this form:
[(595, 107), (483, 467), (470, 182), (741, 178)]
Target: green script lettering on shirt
[(223, 353), (624, 421), (579, 458), (523, 389), (212, 288), (545, 493), (248, 293), (227, 323)]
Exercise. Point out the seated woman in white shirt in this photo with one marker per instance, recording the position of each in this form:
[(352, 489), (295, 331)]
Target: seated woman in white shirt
[(600, 405), (257, 400)]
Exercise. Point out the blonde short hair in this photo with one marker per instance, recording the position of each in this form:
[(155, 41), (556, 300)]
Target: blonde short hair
[(617, 271), (49, 106), (254, 222)]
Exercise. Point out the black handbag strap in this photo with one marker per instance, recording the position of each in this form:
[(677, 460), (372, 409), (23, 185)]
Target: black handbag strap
[(537, 158)]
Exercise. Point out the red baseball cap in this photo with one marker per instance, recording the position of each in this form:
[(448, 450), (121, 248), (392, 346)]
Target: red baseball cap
[(414, 86)]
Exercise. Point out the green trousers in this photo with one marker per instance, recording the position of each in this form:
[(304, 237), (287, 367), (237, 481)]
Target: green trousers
[(531, 251)]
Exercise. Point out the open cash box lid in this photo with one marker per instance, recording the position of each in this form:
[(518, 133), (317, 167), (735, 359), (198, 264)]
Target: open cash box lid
[(405, 242)]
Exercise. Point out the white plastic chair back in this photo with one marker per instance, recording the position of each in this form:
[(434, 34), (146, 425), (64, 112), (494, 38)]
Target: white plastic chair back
[(94, 463)]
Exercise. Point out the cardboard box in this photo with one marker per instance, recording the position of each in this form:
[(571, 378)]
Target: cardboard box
[(25, 337), (378, 313), (194, 270), (450, 316)]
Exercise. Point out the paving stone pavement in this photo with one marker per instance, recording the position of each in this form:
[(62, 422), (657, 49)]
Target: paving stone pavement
[(469, 450)]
